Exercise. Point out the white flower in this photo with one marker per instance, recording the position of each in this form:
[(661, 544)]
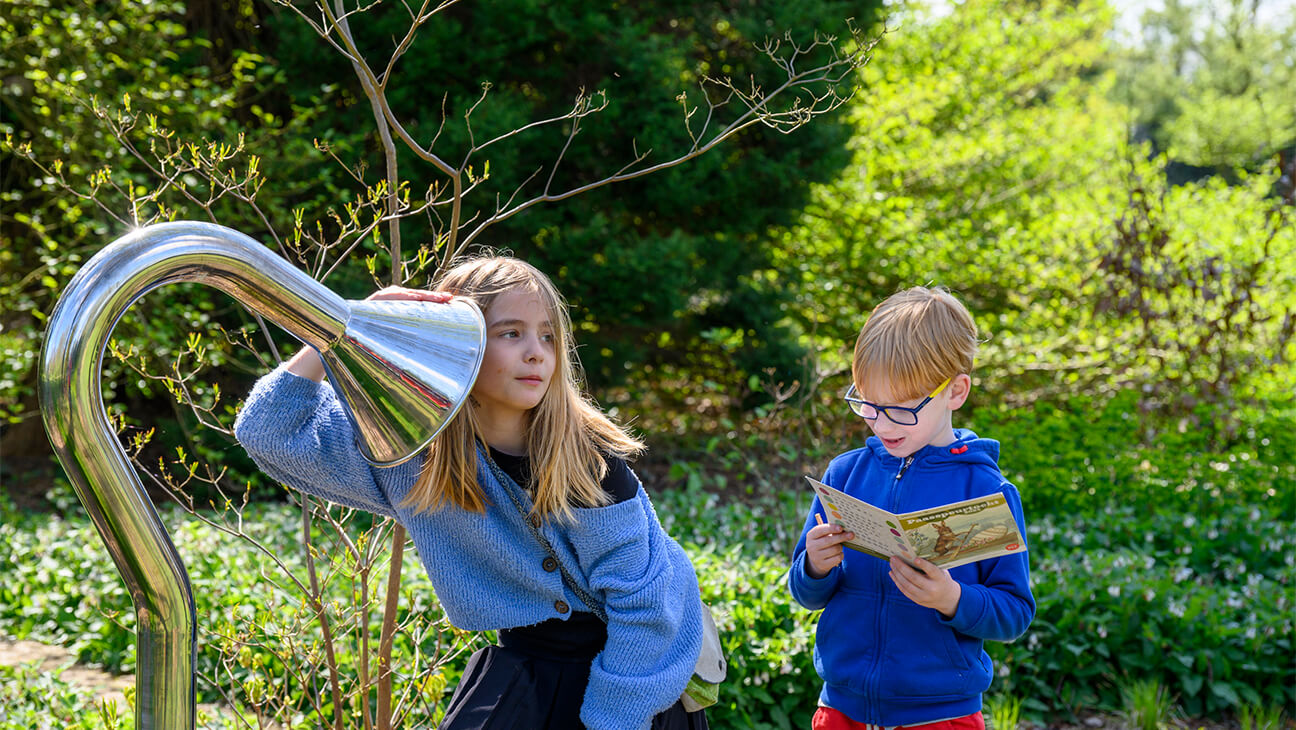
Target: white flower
[(1113, 590)]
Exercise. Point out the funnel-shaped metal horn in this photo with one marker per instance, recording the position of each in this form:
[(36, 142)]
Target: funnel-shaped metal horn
[(404, 368), (401, 368)]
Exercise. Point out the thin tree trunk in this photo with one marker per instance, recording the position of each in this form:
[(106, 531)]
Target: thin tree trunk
[(389, 629), (316, 603)]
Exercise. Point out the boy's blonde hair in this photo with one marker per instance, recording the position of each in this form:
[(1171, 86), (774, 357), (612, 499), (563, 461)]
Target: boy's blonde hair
[(912, 342), (567, 435)]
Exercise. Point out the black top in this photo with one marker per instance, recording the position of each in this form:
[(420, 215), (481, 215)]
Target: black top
[(582, 636), (619, 482)]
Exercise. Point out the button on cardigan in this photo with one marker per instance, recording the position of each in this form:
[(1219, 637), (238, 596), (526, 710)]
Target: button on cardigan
[(487, 569)]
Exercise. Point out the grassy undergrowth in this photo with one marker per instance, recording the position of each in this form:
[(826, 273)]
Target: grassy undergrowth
[(1168, 563)]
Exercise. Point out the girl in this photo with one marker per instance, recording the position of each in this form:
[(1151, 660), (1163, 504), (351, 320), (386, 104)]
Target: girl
[(529, 441)]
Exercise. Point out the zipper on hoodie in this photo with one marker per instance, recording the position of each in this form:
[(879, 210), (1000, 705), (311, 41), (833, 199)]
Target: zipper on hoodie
[(904, 467), (873, 690)]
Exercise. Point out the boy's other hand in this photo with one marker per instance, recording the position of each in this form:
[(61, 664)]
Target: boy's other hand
[(824, 548), (928, 586)]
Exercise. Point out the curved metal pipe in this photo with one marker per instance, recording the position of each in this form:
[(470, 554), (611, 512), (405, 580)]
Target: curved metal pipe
[(368, 376)]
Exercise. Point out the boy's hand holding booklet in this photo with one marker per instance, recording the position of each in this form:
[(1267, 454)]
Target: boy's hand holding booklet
[(950, 535)]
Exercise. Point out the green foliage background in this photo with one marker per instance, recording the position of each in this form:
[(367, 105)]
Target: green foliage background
[(1119, 220), (665, 257)]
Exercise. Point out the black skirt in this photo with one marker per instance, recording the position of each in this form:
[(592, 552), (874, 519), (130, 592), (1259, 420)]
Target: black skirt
[(507, 688)]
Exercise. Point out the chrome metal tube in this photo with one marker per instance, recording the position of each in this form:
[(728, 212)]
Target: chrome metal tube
[(368, 381)]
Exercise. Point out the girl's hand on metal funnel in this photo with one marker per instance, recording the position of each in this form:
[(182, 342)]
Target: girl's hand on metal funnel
[(419, 295)]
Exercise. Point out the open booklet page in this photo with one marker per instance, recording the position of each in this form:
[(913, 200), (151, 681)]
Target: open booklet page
[(877, 532), (953, 534)]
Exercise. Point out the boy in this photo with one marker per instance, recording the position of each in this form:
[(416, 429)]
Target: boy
[(898, 646)]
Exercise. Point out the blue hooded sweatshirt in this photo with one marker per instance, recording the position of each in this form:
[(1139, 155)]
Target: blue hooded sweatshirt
[(885, 659)]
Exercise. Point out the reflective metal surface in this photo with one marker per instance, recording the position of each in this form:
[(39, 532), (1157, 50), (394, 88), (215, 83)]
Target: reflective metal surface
[(402, 369)]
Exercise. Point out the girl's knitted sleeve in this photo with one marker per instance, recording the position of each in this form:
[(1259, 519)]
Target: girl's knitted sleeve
[(654, 614), (296, 431)]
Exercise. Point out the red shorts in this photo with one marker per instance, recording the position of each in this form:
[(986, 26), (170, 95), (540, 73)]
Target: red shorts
[(826, 718)]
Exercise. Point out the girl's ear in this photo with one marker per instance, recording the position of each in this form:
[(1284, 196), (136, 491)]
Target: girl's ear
[(959, 389)]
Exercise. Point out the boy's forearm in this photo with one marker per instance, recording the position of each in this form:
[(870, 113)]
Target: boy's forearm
[(816, 574), (992, 614), (811, 592)]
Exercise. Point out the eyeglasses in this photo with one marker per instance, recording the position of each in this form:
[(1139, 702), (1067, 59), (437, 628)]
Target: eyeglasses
[(896, 414)]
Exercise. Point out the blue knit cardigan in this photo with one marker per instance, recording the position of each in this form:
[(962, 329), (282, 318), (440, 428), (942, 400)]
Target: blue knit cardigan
[(487, 568)]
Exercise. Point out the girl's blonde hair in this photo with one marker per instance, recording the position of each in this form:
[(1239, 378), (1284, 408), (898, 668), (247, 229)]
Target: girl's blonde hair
[(567, 435), (913, 341)]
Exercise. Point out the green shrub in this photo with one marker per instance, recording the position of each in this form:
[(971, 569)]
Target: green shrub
[(35, 700), (767, 639), (1147, 705), (249, 621), (1254, 717), (1079, 455), (1179, 569), (1207, 611), (1002, 711)]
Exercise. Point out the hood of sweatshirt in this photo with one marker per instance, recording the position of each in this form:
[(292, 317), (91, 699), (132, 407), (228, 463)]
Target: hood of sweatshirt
[(967, 448)]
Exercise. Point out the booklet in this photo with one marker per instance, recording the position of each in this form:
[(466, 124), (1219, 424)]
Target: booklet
[(953, 534)]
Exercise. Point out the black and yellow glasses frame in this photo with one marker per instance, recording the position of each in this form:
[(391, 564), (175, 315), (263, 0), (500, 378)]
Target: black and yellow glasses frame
[(896, 414)]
